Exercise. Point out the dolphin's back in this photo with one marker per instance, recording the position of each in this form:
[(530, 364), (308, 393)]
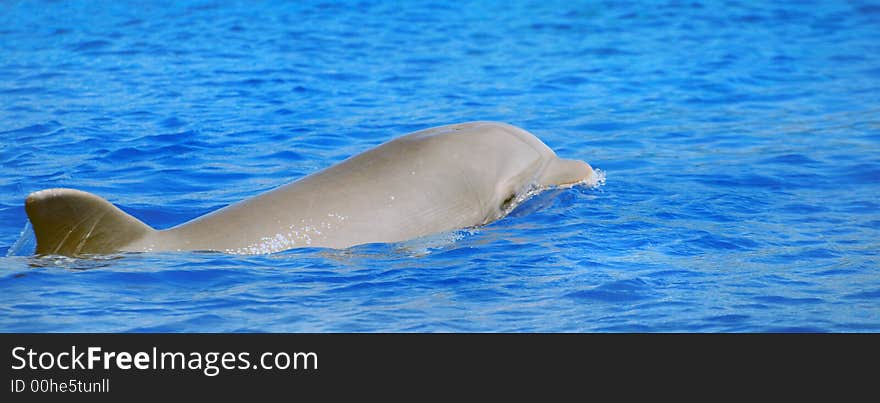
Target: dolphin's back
[(72, 222)]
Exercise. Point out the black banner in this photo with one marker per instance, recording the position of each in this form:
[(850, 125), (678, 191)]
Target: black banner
[(65, 367)]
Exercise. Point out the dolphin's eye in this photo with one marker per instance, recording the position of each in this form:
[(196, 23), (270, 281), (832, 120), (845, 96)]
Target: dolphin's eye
[(506, 203)]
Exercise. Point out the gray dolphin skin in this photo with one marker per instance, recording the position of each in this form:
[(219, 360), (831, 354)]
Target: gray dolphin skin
[(434, 180)]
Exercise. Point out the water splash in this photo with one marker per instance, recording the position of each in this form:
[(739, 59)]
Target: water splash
[(425, 245), (594, 181), (26, 244), (598, 179)]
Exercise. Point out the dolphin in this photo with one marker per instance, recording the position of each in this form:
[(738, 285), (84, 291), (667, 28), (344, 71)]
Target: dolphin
[(429, 181)]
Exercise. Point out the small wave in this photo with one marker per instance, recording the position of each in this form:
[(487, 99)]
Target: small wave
[(629, 290), (80, 263), (427, 244), (26, 243)]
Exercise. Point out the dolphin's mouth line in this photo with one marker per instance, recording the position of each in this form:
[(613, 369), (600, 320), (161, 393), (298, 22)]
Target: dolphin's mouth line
[(596, 179)]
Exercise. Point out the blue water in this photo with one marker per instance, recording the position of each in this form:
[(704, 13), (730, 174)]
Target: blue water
[(740, 142)]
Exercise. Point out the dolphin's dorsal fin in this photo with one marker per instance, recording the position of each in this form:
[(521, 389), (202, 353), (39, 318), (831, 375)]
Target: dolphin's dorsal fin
[(72, 222), (563, 172)]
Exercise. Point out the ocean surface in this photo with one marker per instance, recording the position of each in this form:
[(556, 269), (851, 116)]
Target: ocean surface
[(740, 143)]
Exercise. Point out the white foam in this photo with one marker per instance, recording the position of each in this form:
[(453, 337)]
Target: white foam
[(597, 179)]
